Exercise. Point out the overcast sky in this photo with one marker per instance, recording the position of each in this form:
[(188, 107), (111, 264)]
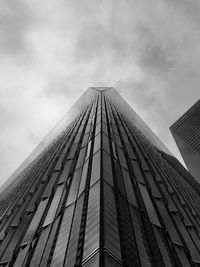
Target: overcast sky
[(51, 51)]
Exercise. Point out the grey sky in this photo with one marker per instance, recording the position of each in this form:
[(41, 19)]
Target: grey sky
[(51, 51)]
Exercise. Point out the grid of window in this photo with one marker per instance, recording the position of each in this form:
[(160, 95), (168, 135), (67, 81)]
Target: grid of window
[(188, 126), (101, 194)]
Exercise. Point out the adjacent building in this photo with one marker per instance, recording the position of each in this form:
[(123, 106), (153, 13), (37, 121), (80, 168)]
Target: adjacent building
[(186, 133), (100, 190)]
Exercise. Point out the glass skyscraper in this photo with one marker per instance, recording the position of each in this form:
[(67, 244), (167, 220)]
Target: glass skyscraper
[(100, 190), (186, 133)]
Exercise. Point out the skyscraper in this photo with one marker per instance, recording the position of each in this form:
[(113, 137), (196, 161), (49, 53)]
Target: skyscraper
[(186, 133), (100, 190)]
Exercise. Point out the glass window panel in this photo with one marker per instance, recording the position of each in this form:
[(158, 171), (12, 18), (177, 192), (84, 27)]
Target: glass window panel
[(64, 152), (194, 237), (105, 129), (87, 129), (119, 178), (168, 223), (186, 219), (121, 128), (81, 157), (163, 249), (117, 140), (49, 243), (191, 246), (98, 128), (40, 248), (95, 173), (105, 143), (104, 119), (114, 150), (16, 221), (170, 205), (91, 241), (93, 262), (58, 164), (182, 257), (122, 158), (61, 244), (91, 118), (54, 205), (77, 138), (72, 151), (125, 138), (6, 240), (141, 244), (98, 119), (145, 167), (8, 254), (112, 241), (137, 172), (73, 241), (107, 168), (169, 188), (154, 189), (21, 201), (99, 110), (88, 150), (74, 187), (114, 126), (129, 187), (65, 172), (111, 262), (103, 110), (34, 201), (60, 205), (83, 178), (21, 256), (35, 222), (48, 190), (97, 143), (149, 205), (44, 178), (85, 140), (131, 154), (195, 221), (80, 130)]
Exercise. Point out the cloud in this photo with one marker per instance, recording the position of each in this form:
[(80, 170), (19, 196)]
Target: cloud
[(51, 51), (15, 20), (153, 55)]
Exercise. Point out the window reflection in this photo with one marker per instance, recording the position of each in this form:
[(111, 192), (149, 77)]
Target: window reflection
[(97, 143), (107, 168), (95, 174), (91, 241)]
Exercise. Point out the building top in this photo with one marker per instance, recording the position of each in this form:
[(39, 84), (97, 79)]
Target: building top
[(194, 109), (101, 88), (85, 99)]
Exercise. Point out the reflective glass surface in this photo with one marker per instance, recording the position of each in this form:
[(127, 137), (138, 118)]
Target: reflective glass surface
[(100, 190)]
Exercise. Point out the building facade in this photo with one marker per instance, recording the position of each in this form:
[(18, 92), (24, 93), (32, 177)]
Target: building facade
[(186, 133), (100, 190)]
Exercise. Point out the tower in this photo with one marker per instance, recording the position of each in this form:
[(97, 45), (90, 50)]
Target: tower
[(186, 133), (100, 190)]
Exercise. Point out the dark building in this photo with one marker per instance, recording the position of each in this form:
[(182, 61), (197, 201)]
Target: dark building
[(100, 190), (186, 133)]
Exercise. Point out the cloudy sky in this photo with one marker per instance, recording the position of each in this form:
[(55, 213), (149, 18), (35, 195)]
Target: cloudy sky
[(51, 51)]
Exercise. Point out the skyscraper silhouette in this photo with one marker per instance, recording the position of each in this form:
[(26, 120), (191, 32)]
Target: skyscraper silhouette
[(186, 133), (100, 190)]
